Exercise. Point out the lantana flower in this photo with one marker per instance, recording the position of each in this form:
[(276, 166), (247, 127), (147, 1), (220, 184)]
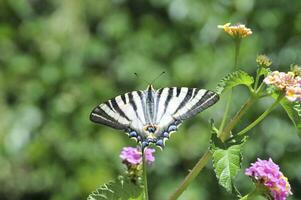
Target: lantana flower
[(267, 173), (263, 61), (236, 31), (293, 93), (133, 156), (288, 83)]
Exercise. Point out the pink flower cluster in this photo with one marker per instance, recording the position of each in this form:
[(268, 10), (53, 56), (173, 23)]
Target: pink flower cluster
[(268, 173), (133, 156), (287, 82)]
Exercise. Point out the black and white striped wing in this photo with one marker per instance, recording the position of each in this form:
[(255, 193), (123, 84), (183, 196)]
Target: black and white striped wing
[(124, 112), (179, 103)]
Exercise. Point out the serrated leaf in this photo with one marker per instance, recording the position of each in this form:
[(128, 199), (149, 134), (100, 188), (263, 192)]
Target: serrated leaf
[(293, 110), (226, 163), (121, 189), (234, 79), (216, 143), (264, 71)]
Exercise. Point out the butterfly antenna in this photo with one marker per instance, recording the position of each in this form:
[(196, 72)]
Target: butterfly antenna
[(157, 77), (148, 83)]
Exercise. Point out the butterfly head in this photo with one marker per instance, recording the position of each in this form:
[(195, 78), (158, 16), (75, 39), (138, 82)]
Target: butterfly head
[(150, 87), (151, 131)]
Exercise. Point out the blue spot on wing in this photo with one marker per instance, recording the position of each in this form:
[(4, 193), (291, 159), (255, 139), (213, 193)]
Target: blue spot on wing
[(133, 134), (172, 128)]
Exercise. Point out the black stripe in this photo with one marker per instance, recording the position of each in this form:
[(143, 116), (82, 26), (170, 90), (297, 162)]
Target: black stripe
[(178, 91), (160, 92), (149, 109), (205, 97), (109, 105), (168, 98), (107, 119), (132, 102), (185, 100), (118, 109), (200, 105), (140, 95), (158, 100), (195, 92), (123, 98)]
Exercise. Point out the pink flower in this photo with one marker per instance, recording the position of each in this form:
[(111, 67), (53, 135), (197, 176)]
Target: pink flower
[(133, 155), (269, 174), (280, 80), (293, 93), (286, 82)]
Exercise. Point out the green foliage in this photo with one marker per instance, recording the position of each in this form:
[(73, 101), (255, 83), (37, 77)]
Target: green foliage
[(234, 79), (60, 58), (226, 162), (264, 71), (121, 189), (293, 110)]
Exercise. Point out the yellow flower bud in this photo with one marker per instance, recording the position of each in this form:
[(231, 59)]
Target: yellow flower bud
[(236, 31), (263, 61)]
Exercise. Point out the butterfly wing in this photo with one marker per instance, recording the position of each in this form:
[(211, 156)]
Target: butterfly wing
[(130, 112), (124, 112), (176, 104)]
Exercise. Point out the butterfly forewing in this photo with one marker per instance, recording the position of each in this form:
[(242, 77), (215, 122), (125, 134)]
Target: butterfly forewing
[(195, 101), (122, 112), (179, 103)]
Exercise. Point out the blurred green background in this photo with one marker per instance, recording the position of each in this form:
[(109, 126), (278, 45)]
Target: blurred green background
[(60, 58)]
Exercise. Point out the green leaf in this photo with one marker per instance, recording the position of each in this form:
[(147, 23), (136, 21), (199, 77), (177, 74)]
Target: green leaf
[(293, 110), (264, 71), (234, 79), (226, 163), (121, 189)]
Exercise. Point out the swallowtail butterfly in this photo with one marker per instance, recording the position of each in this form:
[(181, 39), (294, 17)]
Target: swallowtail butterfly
[(150, 116)]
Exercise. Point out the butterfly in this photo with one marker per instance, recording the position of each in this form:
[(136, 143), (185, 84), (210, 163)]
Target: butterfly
[(150, 116)]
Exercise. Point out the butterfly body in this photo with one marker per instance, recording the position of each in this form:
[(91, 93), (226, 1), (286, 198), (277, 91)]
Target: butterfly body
[(150, 116)]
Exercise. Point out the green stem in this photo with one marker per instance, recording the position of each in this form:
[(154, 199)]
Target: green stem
[(251, 195), (192, 174), (257, 78), (145, 177), (226, 133), (237, 47), (221, 128), (259, 88), (261, 117)]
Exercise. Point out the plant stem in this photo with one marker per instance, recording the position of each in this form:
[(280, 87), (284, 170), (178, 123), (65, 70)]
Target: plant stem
[(251, 195), (226, 133), (192, 174), (221, 128), (261, 117), (229, 100), (144, 168), (257, 78), (237, 48)]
